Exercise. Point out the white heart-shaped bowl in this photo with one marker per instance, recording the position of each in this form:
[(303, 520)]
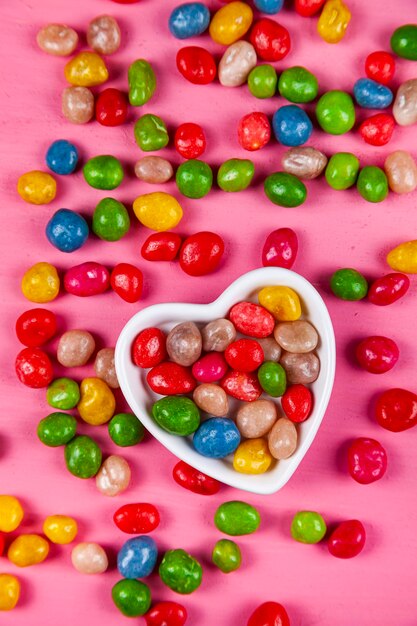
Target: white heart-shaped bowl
[(140, 398)]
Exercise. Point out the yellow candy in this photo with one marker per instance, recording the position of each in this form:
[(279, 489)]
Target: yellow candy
[(86, 70), (333, 21), (9, 592), (36, 187), (97, 402), (40, 283), (28, 550), (11, 513), (403, 258), (158, 210), (230, 23), (252, 457), (60, 529), (282, 302)]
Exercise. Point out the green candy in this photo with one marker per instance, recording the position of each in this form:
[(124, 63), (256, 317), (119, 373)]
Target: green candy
[(335, 112), (308, 527), (177, 414), (110, 220), (63, 393), (285, 189), (298, 85), (237, 518), (103, 172), (132, 597), (142, 82), (194, 178), (348, 284), (151, 133), (57, 429), (83, 457), (404, 42), (272, 378), (235, 174), (180, 571), (227, 556), (342, 170), (262, 81), (125, 430), (372, 184)]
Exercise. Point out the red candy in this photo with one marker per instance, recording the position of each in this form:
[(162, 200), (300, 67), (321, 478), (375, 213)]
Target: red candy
[(396, 410), (197, 65), (149, 348), (166, 614), (347, 540), (169, 379), (244, 355), (125, 1), (111, 107), (254, 131), (380, 66), (35, 327), (2, 543), (367, 460), (161, 246), (189, 140), (136, 519), (377, 354), (241, 385), (307, 8), (388, 289), (195, 481), (252, 319), (297, 403), (280, 248), (34, 368), (127, 281), (269, 614), (201, 253), (377, 130), (87, 279), (210, 368), (271, 40)]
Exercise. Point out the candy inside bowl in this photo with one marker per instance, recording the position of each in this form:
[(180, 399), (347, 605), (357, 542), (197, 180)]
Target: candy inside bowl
[(166, 316)]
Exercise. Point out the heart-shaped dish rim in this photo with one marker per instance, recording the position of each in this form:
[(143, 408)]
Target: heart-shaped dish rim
[(140, 398)]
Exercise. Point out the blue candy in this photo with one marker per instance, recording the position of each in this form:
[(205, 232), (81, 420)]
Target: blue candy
[(292, 126), (137, 557), (189, 20), (372, 95), (269, 6), (62, 157), (67, 230), (216, 437)]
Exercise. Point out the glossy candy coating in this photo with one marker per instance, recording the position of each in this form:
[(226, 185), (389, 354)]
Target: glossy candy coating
[(401, 171), (67, 230), (272, 378), (127, 281), (209, 368), (236, 64), (166, 614), (378, 129), (297, 84), (137, 557), (142, 82), (285, 189), (75, 348), (367, 460), (347, 539), (308, 527), (297, 403), (57, 39), (132, 597), (216, 438), (149, 348), (184, 343), (104, 367), (241, 385), (291, 125), (372, 95), (9, 592), (77, 104), (103, 34), (254, 131), (380, 66), (60, 529), (308, 8), (57, 429), (270, 39), (36, 187), (196, 65), (377, 354), (180, 571), (28, 550), (177, 415), (237, 518), (63, 393), (342, 170), (154, 170), (255, 419), (151, 133), (262, 81), (86, 69), (11, 513), (125, 430), (372, 184), (211, 399), (252, 457), (89, 558), (269, 6), (299, 336), (82, 456), (300, 368), (103, 172), (194, 178), (189, 20), (194, 480), (244, 355), (170, 379), (349, 284), (226, 555), (269, 614), (282, 302), (230, 23), (189, 140), (335, 112), (97, 401), (62, 157), (403, 258), (235, 174), (111, 107), (201, 253), (272, 350), (404, 42), (396, 410), (282, 439), (388, 289), (36, 327), (137, 518), (304, 162), (113, 476), (333, 21), (34, 368), (217, 335), (158, 210), (280, 248)]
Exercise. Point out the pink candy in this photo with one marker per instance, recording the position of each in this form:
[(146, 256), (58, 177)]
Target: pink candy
[(87, 279), (210, 368)]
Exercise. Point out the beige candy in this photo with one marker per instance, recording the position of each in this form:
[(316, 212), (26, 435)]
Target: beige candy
[(89, 558), (401, 171), (154, 170), (236, 64), (255, 419), (103, 34), (282, 439), (300, 368), (304, 162), (217, 335), (57, 39), (113, 476), (184, 343), (211, 399), (299, 336), (271, 350), (104, 367), (405, 104), (75, 348), (78, 104)]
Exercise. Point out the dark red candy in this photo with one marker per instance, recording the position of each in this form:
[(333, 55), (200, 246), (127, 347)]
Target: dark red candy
[(269, 614), (189, 140), (242, 385), (347, 540), (161, 246), (380, 66), (111, 107), (377, 130), (196, 64), (307, 8), (201, 253), (252, 319), (127, 281), (194, 480), (34, 368), (297, 403), (2, 543), (396, 410), (367, 460), (210, 368), (388, 289), (377, 354), (166, 614), (254, 131), (280, 248), (137, 518), (35, 327), (169, 379), (125, 1), (244, 355), (271, 40), (149, 348)]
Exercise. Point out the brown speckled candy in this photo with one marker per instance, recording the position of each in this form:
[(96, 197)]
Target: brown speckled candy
[(104, 367), (236, 64), (184, 343), (57, 39), (77, 104), (217, 335), (404, 108), (154, 170), (282, 439), (271, 350), (300, 368), (113, 476), (401, 171), (255, 419), (75, 348), (299, 336), (103, 34), (304, 162), (211, 399)]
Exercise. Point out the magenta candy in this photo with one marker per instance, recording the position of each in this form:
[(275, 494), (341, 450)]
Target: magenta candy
[(377, 354), (388, 289), (88, 279), (210, 368), (367, 460), (280, 248)]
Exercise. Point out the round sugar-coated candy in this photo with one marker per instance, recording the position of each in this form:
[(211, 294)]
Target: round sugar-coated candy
[(269, 6), (151, 134), (285, 189), (216, 438), (349, 284), (304, 162), (377, 354), (372, 184), (142, 82), (241, 385), (236, 63), (63, 394), (297, 403), (137, 518), (137, 557), (127, 281), (86, 69), (396, 410), (149, 348), (282, 439), (217, 335), (403, 257), (388, 289), (158, 210), (62, 157), (297, 84), (34, 368), (154, 170), (57, 39), (169, 613), (87, 279), (194, 480), (367, 460), (36, 187), (280, 249), (372, 95), (97, 402), (28, 550), (35, 327), (262, 81), (67, 230), (210, 368), (103, 34), (110, 220), (89, 558), (161, 247), (77, 104), (170, 379), (255, 419), (347, 540), (254, 131), (11, 513), (377, 130), (252, 457), (189, 140), (194, 178), (226, 555), (83, 456), (342, 170), (270, 39), (60, 529), (75, 348), (272, 378), (180, 571), (300, 368), (292, 126), (308, 527), (244, 355), (335, 112), (401, 171), (282, 302), (104, 367), (184, 343), (231, 23), (196, 65), (201, 253), (380, 66), (132, 597), (177, 415), (111, 107), (237, 518), (271, 613), (125, 429), (57, 429), (103, 172), (235, 174), (189, 20), (9, 592), (404, 42), (298, 336)]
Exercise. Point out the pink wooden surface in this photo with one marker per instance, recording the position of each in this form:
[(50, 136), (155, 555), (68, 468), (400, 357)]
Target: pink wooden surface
[(335, 229)]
